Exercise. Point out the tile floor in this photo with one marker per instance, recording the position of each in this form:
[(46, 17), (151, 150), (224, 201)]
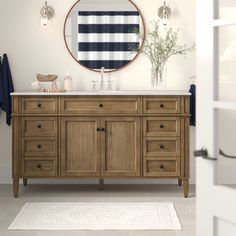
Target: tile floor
[(9, 206)]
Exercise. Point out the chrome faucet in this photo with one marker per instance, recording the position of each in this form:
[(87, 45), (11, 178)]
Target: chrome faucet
[(102, 78)]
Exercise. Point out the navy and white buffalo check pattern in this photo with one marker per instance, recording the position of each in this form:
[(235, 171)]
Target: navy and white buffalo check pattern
[(106, 38)]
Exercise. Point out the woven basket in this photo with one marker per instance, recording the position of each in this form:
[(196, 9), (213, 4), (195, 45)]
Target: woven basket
[(46, 78)]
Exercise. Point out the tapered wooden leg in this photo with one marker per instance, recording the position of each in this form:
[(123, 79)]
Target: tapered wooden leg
[(186, 187), (101, 184), (25, 182), (15, 187), (180, 182)]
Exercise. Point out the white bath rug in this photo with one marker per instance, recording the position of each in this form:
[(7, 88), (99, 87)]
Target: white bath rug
[(97, 216)]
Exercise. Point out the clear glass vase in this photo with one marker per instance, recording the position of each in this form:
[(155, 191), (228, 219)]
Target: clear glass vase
[(159, 76)]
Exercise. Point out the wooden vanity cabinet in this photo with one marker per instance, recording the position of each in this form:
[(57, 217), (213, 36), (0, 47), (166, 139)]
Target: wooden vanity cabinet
[(101, 137)]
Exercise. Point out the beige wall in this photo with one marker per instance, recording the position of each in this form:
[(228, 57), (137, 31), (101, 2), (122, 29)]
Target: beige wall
[(34, 49)]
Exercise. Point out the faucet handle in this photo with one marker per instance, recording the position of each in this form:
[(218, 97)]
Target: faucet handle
[(110, 84), (95, 86), (102, 78), (102, 72)]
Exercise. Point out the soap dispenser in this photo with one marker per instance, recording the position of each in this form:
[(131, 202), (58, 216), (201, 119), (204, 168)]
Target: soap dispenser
[(68, 83)]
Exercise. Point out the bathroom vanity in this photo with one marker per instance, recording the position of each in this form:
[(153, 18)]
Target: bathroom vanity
[(129, 134)]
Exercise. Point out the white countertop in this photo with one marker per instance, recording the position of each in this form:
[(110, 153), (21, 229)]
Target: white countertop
[(104, 93)]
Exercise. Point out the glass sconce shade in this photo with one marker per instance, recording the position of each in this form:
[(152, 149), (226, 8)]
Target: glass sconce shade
[(164, 13), (46, 13)]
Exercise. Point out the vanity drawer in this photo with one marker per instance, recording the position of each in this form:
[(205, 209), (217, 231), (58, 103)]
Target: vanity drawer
[(34, 168), (161, 126), (163, 146), (164, 168), (39, 126), (38, 105), (100, 105), (39, 147), (161, 105)]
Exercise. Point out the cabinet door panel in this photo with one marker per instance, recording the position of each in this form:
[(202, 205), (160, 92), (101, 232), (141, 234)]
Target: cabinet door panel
[(80, 147), (121, 147)]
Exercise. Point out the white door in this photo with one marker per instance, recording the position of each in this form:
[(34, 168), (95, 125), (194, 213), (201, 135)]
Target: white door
[(216, 117)]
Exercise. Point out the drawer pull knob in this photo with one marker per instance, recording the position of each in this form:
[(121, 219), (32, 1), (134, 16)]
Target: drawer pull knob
[(103, 129), (39, 146), (39, 166), (39, 105), (39, 126), (98, 129), (162, 105), (162, 126), (161, 166), (162, 147), (100, 105)]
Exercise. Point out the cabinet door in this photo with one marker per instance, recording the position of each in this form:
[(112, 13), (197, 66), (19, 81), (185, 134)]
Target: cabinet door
[(80, 147), (121, 144)]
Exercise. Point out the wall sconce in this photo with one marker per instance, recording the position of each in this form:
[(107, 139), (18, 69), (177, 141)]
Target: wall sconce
[(46, 13), (164, 13)]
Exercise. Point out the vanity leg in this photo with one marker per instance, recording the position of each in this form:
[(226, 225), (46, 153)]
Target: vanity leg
[(15, 187), (185, 187), (180, 182), (101, 184), (25, 182)]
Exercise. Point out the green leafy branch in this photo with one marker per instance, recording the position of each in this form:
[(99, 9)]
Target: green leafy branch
[(158, 48)]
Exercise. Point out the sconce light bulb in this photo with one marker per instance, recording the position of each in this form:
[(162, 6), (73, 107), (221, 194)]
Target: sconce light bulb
[(165, 21), (44, 21)]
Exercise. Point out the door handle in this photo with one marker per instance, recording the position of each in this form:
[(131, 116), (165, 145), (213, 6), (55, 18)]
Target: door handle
[(225, 155), (204, 154)]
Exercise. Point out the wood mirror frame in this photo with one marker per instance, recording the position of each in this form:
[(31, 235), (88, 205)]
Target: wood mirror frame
[(106, 71)]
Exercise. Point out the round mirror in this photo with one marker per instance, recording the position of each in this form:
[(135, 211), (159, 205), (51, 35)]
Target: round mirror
[(103, 33)]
